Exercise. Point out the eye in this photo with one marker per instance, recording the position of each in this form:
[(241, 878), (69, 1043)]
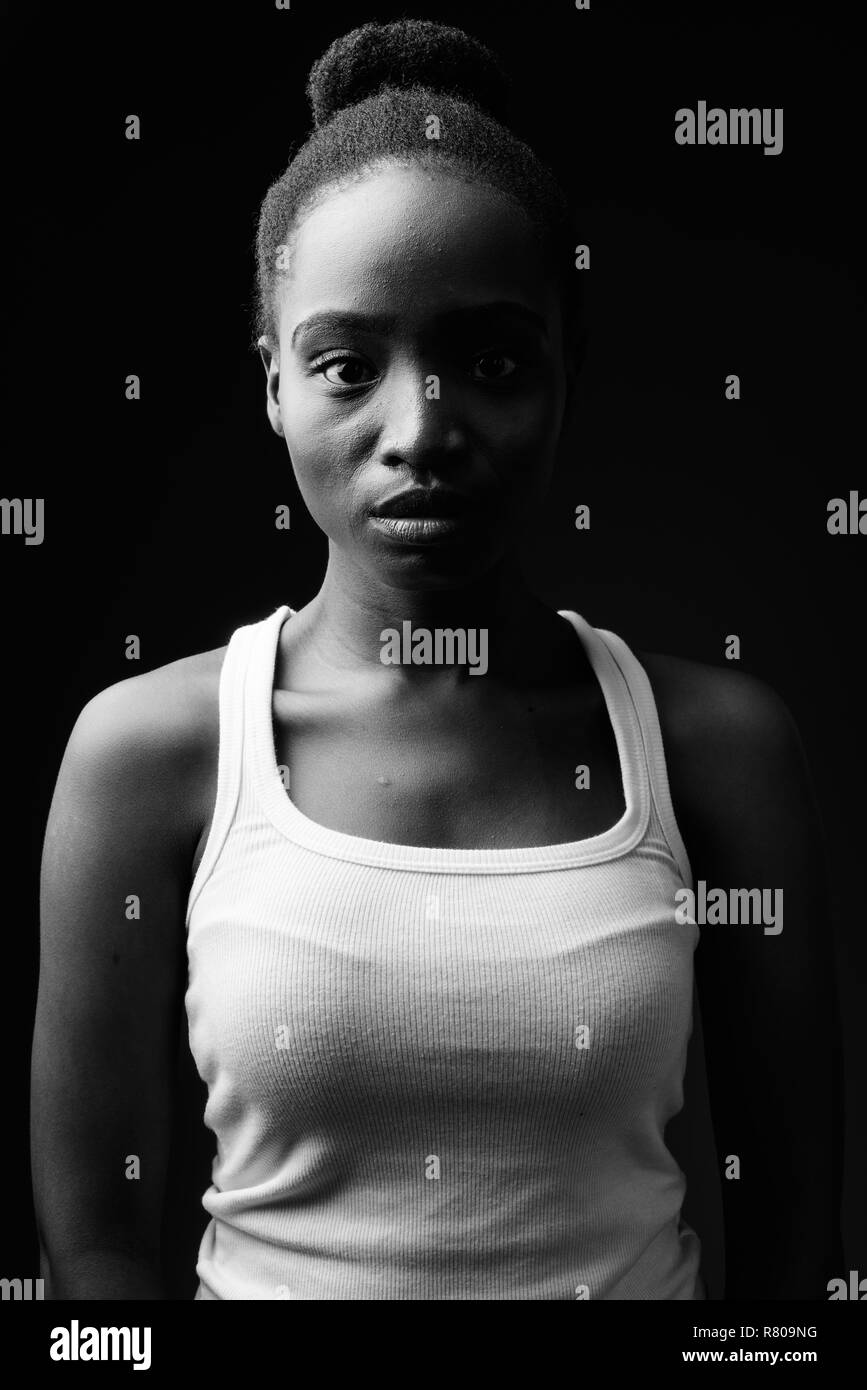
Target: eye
[(343, 370), (496, 366)]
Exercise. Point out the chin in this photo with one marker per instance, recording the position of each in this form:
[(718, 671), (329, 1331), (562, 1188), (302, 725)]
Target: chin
[(436, 567)]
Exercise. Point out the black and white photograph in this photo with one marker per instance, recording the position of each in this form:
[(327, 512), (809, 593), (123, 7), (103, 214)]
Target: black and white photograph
[(434, 527)]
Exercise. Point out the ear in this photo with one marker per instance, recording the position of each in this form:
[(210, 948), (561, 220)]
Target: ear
[(271, 361)]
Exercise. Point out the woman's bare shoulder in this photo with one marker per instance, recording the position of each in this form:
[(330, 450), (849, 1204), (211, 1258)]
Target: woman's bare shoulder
[(172, 708), (724, 731), (717, 700), (157, 731)]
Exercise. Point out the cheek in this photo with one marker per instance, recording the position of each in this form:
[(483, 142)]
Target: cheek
[(523, 431), (308, 436), (320, 431), (324, 459)]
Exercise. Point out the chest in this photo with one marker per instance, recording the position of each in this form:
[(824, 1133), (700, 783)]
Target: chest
[(459, 775), (562, 996)]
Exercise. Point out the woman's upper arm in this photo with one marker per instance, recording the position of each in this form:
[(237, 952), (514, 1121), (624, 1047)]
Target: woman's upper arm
[(744, 801), (115, 872)]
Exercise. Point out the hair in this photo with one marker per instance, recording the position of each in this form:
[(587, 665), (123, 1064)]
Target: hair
[(371, 94)]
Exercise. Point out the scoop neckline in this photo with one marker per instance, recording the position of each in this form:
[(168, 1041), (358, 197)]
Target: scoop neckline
[(292, 822)]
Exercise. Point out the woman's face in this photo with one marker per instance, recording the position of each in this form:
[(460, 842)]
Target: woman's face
[(420, 347)]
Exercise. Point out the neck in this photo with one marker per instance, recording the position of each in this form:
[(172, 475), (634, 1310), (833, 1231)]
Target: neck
[(345, 621)]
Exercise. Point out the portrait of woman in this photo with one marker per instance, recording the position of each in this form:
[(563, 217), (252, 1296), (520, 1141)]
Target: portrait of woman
[(435, 870)]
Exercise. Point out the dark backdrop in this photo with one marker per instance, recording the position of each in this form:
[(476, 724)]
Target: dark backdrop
[(708, 516)]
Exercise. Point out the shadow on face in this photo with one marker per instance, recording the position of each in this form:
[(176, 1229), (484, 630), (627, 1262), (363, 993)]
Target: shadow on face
[(420, 347)]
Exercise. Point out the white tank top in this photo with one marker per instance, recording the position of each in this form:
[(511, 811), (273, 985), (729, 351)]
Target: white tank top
[(439, 1073)]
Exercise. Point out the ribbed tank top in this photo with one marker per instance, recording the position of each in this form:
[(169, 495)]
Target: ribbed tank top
[(439, 1073)]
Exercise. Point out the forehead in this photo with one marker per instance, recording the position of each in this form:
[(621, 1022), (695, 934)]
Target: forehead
[(413, 241)]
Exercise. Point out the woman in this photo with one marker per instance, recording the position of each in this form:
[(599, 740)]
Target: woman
[(440, 987)]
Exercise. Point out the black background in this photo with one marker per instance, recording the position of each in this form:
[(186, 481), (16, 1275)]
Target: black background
[(708, 516)]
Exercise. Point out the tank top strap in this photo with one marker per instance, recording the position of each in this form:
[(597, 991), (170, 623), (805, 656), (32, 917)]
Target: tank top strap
[(244, 659), (258, 761), (641, 691)]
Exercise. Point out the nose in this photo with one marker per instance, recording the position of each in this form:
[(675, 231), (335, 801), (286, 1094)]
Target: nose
[(421, 424)]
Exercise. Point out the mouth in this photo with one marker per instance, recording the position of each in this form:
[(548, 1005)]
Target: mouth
[(424, 516), (420, 530), (425, 504)]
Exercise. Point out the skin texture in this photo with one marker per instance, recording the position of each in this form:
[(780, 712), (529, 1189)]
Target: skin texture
[(480, 760)]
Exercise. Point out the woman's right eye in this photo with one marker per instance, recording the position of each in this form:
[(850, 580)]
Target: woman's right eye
[(343, 370)]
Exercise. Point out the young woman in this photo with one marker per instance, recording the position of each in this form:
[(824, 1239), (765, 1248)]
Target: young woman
[(440, 986)]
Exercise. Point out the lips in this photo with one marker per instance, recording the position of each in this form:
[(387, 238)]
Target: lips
[(424, 502)]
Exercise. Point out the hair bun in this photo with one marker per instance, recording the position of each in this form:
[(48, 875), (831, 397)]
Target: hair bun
[(406, 53)]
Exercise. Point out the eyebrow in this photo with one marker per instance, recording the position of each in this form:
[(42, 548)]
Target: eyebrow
[(331, 321)]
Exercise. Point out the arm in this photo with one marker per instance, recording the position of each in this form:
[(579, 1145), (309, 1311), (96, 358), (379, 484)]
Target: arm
[(110, 991), (744, 802)]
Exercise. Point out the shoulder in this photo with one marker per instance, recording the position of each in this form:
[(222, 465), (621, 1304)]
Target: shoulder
[(168, 710), (714, 703), (731, 744), (156, 733)]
